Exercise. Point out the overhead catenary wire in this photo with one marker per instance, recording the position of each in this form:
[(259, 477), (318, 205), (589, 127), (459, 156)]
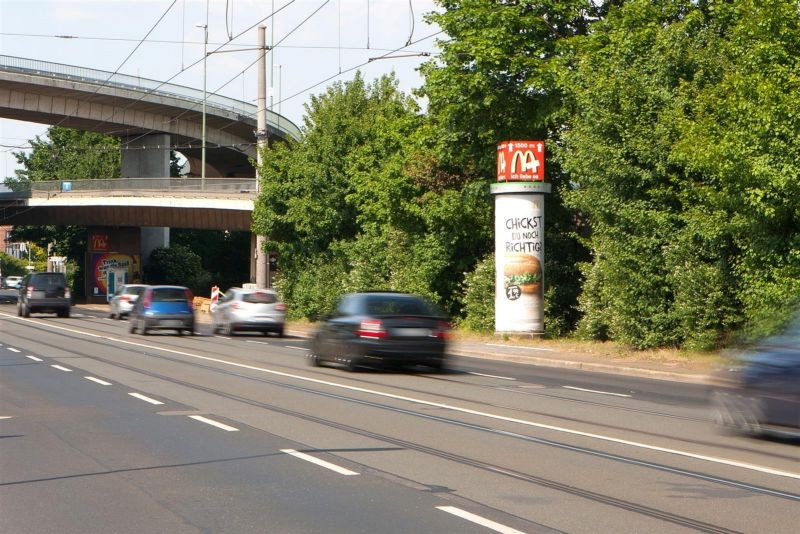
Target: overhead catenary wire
[(139, 44)]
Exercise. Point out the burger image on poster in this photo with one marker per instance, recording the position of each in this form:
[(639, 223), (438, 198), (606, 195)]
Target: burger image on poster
[(522, 271)]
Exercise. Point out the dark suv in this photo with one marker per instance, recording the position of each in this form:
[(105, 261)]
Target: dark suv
[(44, 292)]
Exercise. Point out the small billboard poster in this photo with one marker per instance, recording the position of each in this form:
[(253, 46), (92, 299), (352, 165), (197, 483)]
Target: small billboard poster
[(519, 245), (520, 161), (103, 264)]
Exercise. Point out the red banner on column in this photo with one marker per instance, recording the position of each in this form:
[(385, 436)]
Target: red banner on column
[(520, 161)]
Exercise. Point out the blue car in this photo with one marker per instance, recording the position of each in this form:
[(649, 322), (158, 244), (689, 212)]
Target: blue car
[(163, 308)]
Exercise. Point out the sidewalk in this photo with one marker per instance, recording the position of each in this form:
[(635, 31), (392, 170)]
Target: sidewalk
[(545, 354)]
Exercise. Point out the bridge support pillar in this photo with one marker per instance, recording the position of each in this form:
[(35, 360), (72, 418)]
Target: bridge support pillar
[(147, 156)]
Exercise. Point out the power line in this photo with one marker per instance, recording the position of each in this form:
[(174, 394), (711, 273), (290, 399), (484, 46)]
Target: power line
[(152, 28)]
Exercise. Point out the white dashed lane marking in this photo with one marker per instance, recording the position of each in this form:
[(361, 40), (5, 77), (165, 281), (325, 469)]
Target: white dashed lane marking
[(482, 521), (146, 399), (493, 376), (13, 349), (60, 368), (213, 423), (97, 380), (596, 391), (317, 461), (34, 358)]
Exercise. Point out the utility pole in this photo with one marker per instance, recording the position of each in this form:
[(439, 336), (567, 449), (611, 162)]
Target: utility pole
[(203, 147), (262, 259)]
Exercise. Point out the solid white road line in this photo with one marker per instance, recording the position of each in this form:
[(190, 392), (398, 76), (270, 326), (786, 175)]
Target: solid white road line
[(322, 463), (13, 349), (596, 391), (459, 409), (34, 358), (61, 368), (93, 379), (213, 423), (482, 521), (6, 416), (146, 399), (520, 348), (493, 376)]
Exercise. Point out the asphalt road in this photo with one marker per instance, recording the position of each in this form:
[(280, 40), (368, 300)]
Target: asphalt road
[(105, 431)]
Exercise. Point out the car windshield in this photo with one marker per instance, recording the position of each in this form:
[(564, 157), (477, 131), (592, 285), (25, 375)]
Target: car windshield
[(398, 305), (134, 290), (48, 281), (260, 297), (169, 294)]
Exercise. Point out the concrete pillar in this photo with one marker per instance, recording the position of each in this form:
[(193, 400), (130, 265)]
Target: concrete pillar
[(148, 157)]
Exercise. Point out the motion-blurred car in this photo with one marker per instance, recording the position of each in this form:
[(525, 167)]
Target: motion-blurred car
[(124, 299), (255, 310), (382, 328), (12, 282), (44, 293), (163, 308), (760, 391)]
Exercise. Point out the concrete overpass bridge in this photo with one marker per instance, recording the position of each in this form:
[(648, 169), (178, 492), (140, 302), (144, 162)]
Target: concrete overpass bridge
[(143, 113), (150, 118)]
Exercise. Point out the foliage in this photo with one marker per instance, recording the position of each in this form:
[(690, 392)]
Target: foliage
[(682, 148), (66, 154), (478, 288), (496, 79), (177, 265), (348, 207), (69, 154), (225, 255), (11, 266)]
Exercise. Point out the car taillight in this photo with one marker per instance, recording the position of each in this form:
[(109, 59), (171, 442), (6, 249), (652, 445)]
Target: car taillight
[(189, 295), (442, 330), (67, 293), (281, 307), (30, 291), (125, 298), (236, 306), (148, 299), (372, 328)]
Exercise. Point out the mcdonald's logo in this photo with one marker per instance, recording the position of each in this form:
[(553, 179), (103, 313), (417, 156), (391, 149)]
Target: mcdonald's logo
[(527, 161), (100, 242)]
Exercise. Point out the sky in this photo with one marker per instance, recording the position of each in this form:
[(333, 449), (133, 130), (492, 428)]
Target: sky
[(317, 43)]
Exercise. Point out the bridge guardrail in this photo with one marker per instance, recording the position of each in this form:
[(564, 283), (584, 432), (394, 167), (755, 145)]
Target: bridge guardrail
[(93, 76), (26, 189)]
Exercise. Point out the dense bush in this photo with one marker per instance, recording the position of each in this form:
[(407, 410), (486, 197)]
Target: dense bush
[(478, 289), (177, 265)]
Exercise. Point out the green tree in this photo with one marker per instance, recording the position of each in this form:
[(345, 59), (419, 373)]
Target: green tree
[(350, 206), (497, 79), (682, 150), (177, 265), (66, 154)]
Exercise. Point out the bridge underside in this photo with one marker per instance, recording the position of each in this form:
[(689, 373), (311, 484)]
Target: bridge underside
[(196, 218)]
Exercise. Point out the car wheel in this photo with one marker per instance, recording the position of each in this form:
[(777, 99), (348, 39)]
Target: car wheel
[(190, 331), (350, 364), (63, 313), (143, 327), (26, 312), (279, 332), (228, 329), (132, 326), (19, 309), (313, 359)]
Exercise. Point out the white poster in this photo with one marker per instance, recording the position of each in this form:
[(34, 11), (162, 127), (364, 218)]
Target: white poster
[(519, 252)]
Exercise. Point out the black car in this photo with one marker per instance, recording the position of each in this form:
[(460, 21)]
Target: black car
[(382, 328), (44, 292), (760, 391)]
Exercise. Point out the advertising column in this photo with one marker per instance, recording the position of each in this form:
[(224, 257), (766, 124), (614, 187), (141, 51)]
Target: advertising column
[(519, 237)]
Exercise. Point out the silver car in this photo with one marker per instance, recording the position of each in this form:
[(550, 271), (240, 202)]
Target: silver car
[(259, 310), (123, 300)]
